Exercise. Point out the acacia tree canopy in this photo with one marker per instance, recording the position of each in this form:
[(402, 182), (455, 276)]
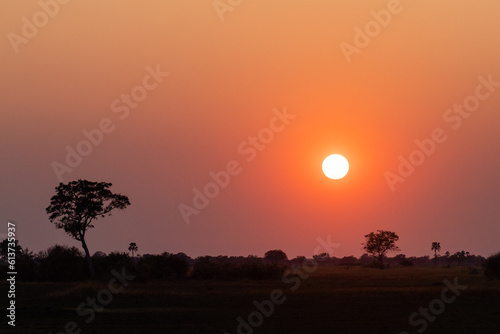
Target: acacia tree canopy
[(276, 256), (77, 204), (377, 244)]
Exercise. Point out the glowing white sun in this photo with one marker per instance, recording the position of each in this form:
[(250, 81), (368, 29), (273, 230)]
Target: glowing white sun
[(335, 166)]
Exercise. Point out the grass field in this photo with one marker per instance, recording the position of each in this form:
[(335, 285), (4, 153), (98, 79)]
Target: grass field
[(330, 300)]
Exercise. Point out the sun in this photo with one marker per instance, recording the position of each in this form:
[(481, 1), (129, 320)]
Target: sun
[(335, 166)]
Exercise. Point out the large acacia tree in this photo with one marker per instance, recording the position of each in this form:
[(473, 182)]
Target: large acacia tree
[(377, 244), (76, 205)]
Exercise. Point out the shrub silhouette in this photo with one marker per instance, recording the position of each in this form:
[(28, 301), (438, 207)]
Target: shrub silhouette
[(105, 264), (276, 256), (27, 269), (406, 262), (492, 266), (26, 266), (62, 263), (164, 266)]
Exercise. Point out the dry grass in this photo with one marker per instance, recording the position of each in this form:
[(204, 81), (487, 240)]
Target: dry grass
[(331, 300)]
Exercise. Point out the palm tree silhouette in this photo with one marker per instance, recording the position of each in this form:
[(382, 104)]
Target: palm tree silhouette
[(436, 247), (133, 248)]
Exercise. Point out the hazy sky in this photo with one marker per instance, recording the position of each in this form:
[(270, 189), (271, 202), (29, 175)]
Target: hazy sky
[(180, 89)]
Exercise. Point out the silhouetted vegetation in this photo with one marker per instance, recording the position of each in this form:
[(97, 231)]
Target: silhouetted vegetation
[(77, 204), (378, 244), (25, 265), (436, 247), (276, 256), (4, 247), (133, 248), (492, 266), (63, 263), (235, 268), (105, 263), (164, 266), (348, 261), (403, 261)]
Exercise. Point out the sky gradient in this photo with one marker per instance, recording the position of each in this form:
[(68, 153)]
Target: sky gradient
[(183, 89)]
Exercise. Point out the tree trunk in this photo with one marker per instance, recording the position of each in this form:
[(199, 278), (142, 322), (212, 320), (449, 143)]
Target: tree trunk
[(89, 259), (381, 259)]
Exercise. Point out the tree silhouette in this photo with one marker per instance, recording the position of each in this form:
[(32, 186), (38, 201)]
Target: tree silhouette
[(460, 257), (275, 256), (492, 266), (4, 248), (323, 257), (448, 259), (77, 204), (133, 248), (436, 247), (377, 244)]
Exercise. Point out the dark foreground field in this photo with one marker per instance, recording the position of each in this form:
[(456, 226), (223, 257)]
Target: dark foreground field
[(331, 300)]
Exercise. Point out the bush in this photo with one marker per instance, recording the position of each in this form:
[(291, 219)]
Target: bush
[(348, 261), (63, 263), (165, 266), (27, 269), (276, 256), (104, 264), (492, 266), (406, 263)]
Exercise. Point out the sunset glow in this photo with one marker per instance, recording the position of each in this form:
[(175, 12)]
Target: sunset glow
[(222, 116), (231, 166)]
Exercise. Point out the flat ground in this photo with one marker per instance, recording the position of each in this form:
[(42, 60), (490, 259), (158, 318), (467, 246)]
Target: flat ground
[(330, 300)]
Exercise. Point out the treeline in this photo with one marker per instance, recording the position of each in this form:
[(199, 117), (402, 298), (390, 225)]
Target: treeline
[(63, 263), (458, 259)]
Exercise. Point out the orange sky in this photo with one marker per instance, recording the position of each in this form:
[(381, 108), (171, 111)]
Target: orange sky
[(225, 77)]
